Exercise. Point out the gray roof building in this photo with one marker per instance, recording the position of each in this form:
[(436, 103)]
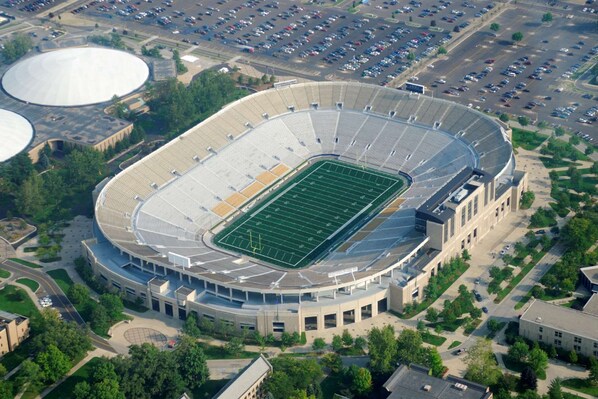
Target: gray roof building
[(560, 318), (414, 382), (248, 383)]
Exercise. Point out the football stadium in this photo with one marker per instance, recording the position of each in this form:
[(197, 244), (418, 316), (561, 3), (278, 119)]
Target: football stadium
[(305, 207)]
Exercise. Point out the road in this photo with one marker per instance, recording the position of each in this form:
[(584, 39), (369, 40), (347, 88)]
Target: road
[(59, 300)]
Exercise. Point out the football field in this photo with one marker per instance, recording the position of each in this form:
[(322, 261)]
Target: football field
[(310, 213)]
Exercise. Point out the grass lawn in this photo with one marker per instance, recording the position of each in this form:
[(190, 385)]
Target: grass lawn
[(218, 352), (454, 344), (351, 351), (34, 285), (4, 273), (433, 339), (451, 327), (207, 390), (26, 263), (62, 279), (15, 300), (65, 390), (581, 385), (550, 163), (471, 326), (527, 139)]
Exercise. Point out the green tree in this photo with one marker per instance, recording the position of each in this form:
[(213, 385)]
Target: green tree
[(555, 390), (191, 328), (360, 343), (559, 131), (494, 27), (16, 48), (432, 315), (409, 347), (411, 56), (494, 326), (519, 351), (53, 364), (573, 358), (547, 17), (382, 347), (504, 118), (192, 363), (528, 380), (100, 320), (318, 345), (30, 373), (537, 291), (433, 361), (574, 140), (517, 37), (180, 67), (30, 199), (113, 305), (538, 360), (78, 293), (333, 362), (523, 120), (481, 364), (360, 379), (234, 346), (347, 338), (337, 343), (593, 367), (442, 50)]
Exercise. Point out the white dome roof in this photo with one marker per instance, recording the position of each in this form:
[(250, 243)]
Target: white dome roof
[(15, 134), (76, 76)]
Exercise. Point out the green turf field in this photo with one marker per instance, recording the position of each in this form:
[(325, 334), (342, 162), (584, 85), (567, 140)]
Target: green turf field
[(309, 213)]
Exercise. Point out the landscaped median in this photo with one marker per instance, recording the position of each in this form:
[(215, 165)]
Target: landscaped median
[(26, 263)]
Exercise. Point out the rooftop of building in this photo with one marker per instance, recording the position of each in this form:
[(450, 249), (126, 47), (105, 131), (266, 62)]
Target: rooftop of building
[(414, 382), (591, 305), (591, 273), (246, 379), (580, 323)]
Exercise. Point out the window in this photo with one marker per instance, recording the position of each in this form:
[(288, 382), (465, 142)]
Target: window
[(496, 213), (541, 329), (452, 227), (577, 340), (475, 205), (577, 348), (469, 238), (462, 244), (463, 217), (278, 326), (539, 337), (509, 201), (558, 334), (469, 211), (502, 207), (595, 344), (475, 232), (446, 231), (557, 342)]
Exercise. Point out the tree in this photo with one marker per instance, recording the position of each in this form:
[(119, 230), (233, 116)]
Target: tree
[(517, 37), (593, 367), (574, 140), (382, 347), (523, 120), (190, 326), (347, 338), (360, 379), (53, 364), (235, 346), (475, 313), (113, 305), (555, 390), (442, 50), (538, 360), (573, 358), (411, 56), (286, 339), (465, 255), (528, 380), (333, 362), (337, 343), (192, 363), (519, 351), (30, 373), (30, 198), (180, 67), (504, 118), (432, 315), (494, 326), (494, 27), (481, 364), (360, 343), (433, 361), (16, 48), (559, 131), (589, 150), (318, 345), (547, 17), (78, 293), (409, 345), (100, 321), (538, 291), (299, 374)]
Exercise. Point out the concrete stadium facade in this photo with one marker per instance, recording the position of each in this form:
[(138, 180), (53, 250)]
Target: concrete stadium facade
[(155, 220)]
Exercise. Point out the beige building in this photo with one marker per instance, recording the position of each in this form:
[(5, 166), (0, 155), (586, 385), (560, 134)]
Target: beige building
[(155, 220), (562, 327), (14, 329), (248, 384)]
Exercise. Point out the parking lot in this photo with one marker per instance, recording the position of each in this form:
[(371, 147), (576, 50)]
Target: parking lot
[(532, 78), (370, 45)]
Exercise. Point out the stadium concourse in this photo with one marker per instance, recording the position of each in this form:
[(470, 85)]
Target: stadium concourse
[(161, 222)]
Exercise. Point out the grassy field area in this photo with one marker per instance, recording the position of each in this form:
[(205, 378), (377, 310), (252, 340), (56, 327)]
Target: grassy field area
[(450, 327), (337, 197), (550, 163), (582, 386), (433, 339), (4, 273), (65, 390), (15, 300), (527, 139), (209, 389), (454, 344), (26, 263), (34, 285), (62, 279)]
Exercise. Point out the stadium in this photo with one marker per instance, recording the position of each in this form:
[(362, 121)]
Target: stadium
[(304, 207)]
